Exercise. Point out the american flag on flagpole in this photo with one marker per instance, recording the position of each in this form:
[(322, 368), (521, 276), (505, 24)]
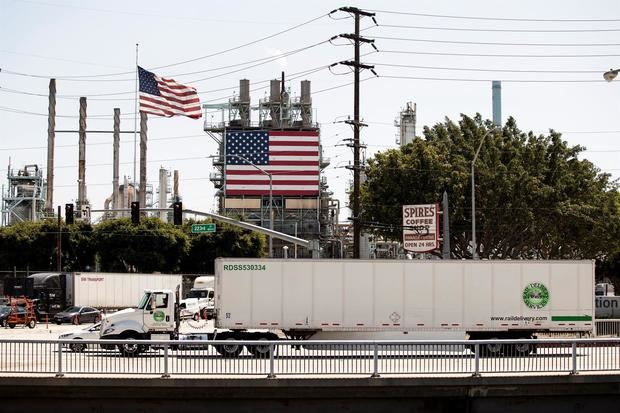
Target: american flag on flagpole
[(292, 157), (165, 97)]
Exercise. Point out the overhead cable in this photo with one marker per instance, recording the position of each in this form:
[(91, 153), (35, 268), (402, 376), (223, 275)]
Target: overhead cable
[(178, 63), (443, 16)]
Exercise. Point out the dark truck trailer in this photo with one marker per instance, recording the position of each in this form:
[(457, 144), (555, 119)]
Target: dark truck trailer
[(48, 291), (53, 292)]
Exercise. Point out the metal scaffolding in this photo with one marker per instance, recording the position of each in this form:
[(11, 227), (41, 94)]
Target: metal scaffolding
[(24, 198)]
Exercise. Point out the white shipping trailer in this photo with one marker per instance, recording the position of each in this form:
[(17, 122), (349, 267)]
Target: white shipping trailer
[(346, 299), (259, 299), (116, 290)]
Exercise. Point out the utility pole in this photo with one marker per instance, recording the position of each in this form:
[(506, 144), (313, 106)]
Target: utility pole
[(59, 243), (51, 138), (82, 158), (356, 65)]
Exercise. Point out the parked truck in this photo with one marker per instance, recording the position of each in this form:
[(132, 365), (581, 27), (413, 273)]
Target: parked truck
[(57, 291), (258, 299), (201, 297)]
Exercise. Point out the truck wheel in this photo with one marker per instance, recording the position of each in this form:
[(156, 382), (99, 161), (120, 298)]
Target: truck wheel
[(261, 351), (205, 315), (229, 350), (196, 317), (524, 349), (492, 350), (32, 323), (131, 348), (77, 347), (11, 325)]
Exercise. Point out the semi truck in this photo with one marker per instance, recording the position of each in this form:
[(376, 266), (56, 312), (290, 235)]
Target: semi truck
[(201, 297), (57, 291), (258, 299)]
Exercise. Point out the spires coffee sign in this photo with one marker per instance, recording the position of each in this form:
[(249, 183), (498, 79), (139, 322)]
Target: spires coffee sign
[(421, 227)]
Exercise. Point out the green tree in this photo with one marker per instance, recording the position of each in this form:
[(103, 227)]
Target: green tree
[(33, 245), (227, 241), (535, 197), (79, 248), (151, 246), (28, 244)]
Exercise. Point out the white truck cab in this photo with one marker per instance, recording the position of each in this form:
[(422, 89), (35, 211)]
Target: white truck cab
[(154, 318)]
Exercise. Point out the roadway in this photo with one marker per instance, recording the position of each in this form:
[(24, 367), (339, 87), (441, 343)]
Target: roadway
[(354, 360), (430, 380)]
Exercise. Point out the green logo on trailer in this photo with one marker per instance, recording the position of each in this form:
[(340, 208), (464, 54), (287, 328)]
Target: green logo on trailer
[(536, 295), (159, 316)]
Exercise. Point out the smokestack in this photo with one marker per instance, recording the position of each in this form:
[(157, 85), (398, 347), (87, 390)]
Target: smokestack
[(163, 192), (306, 104), (275, 100), (143, 130), (497, 103), (284, 105), (125, 194), (244, 102), (51, 137), (175, 188), (82, 156), (115, 157), (275, 92)]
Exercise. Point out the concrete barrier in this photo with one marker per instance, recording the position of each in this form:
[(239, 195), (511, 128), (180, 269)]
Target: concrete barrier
[(574, 393)]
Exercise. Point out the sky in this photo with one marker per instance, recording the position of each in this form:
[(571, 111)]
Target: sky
[(550, 56)]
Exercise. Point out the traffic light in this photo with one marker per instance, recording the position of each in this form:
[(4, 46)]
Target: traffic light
[(135, 213), (177, 213), (69, 214)]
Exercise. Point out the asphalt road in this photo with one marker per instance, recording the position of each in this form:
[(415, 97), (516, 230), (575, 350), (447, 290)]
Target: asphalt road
[(44, 358)]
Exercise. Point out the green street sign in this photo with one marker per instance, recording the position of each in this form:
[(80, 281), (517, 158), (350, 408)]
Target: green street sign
[(198, 228)]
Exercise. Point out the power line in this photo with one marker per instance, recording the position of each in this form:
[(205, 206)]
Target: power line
[(485, 70), (537, 56), (24, 148), (246, 44), (295, 75), (11, 72), (407, 39), (216, 100), (66, 77), (260, 61), (442, 16), (463, 29), (490, 80), (127, 116)]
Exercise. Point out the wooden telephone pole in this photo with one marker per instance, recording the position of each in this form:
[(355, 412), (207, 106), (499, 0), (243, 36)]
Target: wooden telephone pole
[(356, 65)]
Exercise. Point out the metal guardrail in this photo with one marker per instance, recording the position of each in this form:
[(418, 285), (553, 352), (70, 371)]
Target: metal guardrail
[(308, 358)]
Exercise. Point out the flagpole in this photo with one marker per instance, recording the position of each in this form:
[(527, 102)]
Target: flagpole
[(135, 129)]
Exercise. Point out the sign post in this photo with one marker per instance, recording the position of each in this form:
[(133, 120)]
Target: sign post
[(200, 228), (421, 227)]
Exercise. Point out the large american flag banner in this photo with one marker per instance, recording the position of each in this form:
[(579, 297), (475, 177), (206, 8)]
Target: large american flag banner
[(165, 97), (292, 157)]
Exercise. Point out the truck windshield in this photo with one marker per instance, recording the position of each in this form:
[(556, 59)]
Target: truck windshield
[(143, 301), (197, 294)]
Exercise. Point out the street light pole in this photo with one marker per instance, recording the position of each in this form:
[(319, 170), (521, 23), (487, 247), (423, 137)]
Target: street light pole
[(473, 196), (270, 196)]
